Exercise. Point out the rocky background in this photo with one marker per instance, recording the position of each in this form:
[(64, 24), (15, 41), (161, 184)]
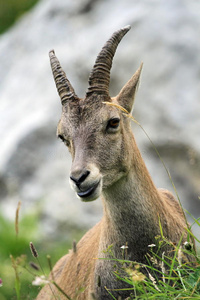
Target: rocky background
[(34, 165)]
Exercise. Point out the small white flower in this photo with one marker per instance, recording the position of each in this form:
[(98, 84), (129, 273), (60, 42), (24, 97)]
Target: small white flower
[(152, 245), (40, 280), (124, 247)]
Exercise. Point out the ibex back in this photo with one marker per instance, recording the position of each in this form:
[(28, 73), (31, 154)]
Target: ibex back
[(106, 162)]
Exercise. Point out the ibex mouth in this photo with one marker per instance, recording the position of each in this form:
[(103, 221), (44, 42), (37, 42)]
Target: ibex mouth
[(86, 195)]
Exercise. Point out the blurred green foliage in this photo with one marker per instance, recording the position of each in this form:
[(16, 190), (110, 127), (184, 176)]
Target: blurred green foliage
[(11, 10), (12, 245), (18, 247)]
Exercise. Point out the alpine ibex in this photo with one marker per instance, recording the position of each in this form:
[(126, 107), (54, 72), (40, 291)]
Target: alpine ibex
[(106, 162)]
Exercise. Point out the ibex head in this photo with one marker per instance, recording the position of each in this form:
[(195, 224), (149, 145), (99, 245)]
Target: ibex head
[(96, 134)]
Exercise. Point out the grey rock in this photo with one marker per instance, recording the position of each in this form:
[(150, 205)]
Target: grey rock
[(34, 166)]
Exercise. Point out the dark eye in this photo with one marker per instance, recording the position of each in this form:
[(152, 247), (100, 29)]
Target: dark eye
[(113, 123), (61, 137), (66, 142)]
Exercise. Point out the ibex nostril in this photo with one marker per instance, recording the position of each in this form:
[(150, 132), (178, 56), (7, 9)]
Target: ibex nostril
[(81, 178), (84, 176)]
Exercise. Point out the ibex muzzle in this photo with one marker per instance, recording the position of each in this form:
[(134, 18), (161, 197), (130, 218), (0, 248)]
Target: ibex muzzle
[(87, 182)]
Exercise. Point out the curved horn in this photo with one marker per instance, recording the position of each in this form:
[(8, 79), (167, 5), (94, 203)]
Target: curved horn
[(100, 76), (64, 87)]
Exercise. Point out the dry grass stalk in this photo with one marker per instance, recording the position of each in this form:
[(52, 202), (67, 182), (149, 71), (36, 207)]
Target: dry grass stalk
[(163, 267), (17, 218), (34, 266), (74, 246), (154, 282)]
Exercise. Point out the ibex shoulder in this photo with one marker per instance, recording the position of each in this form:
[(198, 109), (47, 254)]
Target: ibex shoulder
[(172, 204)]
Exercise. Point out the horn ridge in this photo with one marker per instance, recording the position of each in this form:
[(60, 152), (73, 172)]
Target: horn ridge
[(63, 85), (99, 78)]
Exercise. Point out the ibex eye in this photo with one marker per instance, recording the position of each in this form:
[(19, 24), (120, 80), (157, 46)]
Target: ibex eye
[(113, 123), (67, 143), (61, 137)]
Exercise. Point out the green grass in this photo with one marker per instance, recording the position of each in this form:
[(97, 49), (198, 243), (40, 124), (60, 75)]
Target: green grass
[(12, 10), (163, 277), (12, 245), (180, 281), (15, 255), (176, 277)]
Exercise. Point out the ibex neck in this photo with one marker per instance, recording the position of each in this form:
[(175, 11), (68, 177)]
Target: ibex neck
[(131, 206), (130, 219)]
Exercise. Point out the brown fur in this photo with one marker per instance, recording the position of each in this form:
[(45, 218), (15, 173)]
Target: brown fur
[(132, 204), (121, 224)]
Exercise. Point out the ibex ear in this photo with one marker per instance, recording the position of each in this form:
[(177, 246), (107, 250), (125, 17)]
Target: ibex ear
[(126, 96)]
